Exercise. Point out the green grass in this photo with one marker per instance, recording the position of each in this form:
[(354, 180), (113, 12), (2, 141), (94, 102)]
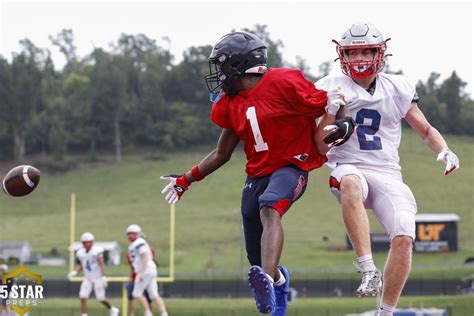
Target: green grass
[(456, 305), (208, 234)]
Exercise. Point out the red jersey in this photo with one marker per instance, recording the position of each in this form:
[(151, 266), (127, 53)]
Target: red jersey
[(276, 121)]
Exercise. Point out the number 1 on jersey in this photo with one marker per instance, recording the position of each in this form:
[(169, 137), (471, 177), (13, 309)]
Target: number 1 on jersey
[(260, 144)]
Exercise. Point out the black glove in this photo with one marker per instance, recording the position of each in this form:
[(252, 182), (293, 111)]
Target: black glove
[(340, 131)]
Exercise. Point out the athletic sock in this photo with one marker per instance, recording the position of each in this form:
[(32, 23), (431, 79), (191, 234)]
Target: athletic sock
[(148, 313), (271, 279), (386, 310), (366, 263), (281, 279)]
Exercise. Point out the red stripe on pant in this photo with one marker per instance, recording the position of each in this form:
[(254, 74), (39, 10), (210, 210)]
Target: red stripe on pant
[(281, 206), (333, 183)]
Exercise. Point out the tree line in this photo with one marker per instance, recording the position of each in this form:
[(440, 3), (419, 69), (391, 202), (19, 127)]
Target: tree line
[(133, 96)]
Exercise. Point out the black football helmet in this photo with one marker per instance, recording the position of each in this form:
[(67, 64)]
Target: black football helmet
[(235, 54)]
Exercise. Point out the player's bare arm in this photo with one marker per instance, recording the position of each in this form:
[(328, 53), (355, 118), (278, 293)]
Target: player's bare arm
[(226, 144), (177, 185), (432, 137), (321, 133)]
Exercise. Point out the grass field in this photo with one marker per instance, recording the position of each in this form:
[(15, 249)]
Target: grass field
[(456, 305), (208, 233)]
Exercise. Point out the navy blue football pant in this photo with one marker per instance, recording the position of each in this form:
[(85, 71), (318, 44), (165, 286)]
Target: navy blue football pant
[(279, 191)]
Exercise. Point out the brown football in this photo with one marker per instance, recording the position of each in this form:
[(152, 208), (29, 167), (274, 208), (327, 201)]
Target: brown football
[(21, 180)]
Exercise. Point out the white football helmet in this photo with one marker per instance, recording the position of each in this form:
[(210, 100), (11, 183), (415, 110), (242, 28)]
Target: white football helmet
[(134, 229), (87, 237), (361, 35)]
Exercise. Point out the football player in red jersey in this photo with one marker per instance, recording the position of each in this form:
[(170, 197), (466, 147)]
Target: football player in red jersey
[(273, 112)]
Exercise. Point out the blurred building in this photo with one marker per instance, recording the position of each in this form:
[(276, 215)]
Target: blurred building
[(15, 252)]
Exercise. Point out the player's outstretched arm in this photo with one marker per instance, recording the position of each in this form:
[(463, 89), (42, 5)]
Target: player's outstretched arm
[(432, 138), (178, 184), (329, 133)]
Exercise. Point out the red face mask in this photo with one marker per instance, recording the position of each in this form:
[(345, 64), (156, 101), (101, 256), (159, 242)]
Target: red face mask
[(361, 68)]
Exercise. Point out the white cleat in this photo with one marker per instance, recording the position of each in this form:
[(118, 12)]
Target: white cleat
[(371, 284), (114, 311)]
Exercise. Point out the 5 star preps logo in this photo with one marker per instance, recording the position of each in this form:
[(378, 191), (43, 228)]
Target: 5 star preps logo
[(21, 289)]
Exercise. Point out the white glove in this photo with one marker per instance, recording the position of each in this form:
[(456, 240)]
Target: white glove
[(175, 188), (105, 282), (72, 274), (335, 101), (450, 159)]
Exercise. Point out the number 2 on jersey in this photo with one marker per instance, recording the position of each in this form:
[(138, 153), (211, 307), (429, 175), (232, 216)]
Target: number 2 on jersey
[(366, 133), (260, 144)]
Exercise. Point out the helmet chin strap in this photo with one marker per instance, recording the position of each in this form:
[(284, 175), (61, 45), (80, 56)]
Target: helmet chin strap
[(215, 98)]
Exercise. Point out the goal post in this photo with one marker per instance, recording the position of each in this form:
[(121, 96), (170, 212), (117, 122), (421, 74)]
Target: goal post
[(121, 279)]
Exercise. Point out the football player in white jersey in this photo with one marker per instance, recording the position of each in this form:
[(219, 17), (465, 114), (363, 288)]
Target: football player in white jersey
[(91, 260), (145, 268), (367, 173)]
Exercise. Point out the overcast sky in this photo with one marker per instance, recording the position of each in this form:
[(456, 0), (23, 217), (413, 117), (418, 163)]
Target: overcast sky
[(426, 36)]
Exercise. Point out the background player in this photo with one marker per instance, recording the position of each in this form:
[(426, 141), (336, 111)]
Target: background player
[(273, 111), (368, 174), (91, 260), (145, 268), (131, 284)]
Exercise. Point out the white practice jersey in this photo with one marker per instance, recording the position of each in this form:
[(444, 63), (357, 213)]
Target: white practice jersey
[(90, 262), (378, 118), (138, 247)]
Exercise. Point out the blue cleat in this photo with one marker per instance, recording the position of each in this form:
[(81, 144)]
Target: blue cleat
[(281, 294), (262, 289)]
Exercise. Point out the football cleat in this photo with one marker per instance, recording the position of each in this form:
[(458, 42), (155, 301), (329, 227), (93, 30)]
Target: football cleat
[(281, 294), (114, 311), (371, 284), (262, 289)]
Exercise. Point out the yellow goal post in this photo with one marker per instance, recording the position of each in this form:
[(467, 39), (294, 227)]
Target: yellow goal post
[(121, 279)]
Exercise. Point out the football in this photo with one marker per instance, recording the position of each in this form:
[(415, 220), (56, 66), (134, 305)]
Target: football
[(21, 180)]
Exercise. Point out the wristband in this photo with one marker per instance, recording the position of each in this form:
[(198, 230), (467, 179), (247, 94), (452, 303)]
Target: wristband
[(182, 182), (197, 176)]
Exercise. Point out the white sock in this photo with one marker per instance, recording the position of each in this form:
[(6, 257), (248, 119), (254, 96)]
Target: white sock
[(164, 314), (148, 313), (366, 263), (271, 279), (281, 280), (83, 314), (386, 310)]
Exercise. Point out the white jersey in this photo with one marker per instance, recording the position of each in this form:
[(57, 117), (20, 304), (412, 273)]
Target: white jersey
[(378, 116), (135, 250), (90, 262)]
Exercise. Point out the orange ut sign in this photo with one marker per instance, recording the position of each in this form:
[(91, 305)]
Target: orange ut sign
[(427, 232)]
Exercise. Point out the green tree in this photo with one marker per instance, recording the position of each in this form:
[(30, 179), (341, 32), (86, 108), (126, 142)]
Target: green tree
[(274, 47), (109, 84), (451, 94), (23, 83)]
